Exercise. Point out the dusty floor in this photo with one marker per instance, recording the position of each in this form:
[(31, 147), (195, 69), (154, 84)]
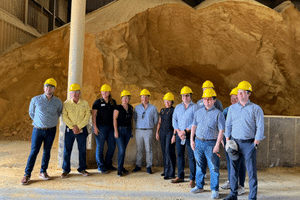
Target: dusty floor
[(275, 183)]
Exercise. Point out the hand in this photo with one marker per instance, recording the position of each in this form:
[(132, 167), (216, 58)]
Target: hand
[(96, 131), (157, 136), (116, 133), (222, 142), (216, 150), (173, 139), (193, 145), (181, 135), (76, 130)]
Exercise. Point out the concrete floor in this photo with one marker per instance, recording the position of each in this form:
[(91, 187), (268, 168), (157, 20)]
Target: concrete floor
[(274, 183)]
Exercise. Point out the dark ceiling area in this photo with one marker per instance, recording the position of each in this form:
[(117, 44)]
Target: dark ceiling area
[(92, 5)]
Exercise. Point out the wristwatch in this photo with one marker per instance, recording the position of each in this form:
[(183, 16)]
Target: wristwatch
[(255, 145)]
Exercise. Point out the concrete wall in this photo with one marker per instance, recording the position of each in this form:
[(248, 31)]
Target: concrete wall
[(279, 148)]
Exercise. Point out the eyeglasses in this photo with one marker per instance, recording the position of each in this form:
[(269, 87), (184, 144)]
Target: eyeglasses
[(75, 92), (49, 87), (143, 115)]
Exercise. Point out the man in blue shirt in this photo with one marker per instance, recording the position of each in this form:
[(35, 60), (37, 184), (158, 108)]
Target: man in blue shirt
[(242, 171), (245, 125), (206, 136), (182, 123), (145, 117), (206, 85), (44, 110)]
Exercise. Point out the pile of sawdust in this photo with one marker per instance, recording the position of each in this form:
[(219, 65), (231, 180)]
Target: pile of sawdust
[(162, 46)]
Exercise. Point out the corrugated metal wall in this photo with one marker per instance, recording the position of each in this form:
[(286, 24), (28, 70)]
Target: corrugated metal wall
[(14, 7)]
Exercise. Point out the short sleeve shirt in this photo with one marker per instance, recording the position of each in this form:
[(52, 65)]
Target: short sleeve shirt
[(125, 117), (105, 112), (166, 119)]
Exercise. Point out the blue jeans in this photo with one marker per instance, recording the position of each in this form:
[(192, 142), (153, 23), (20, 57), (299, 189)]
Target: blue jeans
[(204, 155), (248, 151), (122, 142), (242, 171), (69, 141), (106, 133), (180, 158), (38, 137), (168, 151)]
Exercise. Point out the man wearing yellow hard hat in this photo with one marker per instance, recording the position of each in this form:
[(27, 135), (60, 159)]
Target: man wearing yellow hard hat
[(244, 125), (206, 85), (44, 110), (76, 115), (145, 117), (206, 136), (182, 123), (242, 172)]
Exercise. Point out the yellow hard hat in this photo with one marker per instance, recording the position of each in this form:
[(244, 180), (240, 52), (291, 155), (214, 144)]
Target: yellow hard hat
[(74, 87), (244, 85), (186, 90), (207, 84), (209, 93), (125, 93), (145, 92), (234, 91), (169, 96), (105, 88), (50, 81)]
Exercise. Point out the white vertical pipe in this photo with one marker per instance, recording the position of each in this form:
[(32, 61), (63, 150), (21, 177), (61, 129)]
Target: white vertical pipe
[(76, 42)]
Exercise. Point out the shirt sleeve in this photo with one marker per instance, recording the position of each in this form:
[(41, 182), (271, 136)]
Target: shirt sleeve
[(194, 123), (134, 115), (60, 108), (219, 105), (95, 105), (155, 118), (86, 115), (194, 109), (228, 124), (260, 126), (175, 119), (65, 115), (221, 121), (32, 108)]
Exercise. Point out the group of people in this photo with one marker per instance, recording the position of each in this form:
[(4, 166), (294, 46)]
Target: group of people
[(198, 126)]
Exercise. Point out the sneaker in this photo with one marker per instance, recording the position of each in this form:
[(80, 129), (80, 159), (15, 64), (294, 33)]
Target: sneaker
[(44, 176), (112, 168), (226, 185), (102, 171), (119, 174), (241, 190), (196, 190), (84, 173), (136, 169), (64, 175), (163, 174), (149, 171), (215, 194), (25, 180), (125, 171)]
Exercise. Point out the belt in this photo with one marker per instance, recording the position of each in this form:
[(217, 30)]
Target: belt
[(244, 141), (202, 139), (145, 129), (44, 128)]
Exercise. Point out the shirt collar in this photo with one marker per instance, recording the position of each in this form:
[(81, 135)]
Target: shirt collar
[(212, 108), (248, 102), (45, 97), (74, 102)]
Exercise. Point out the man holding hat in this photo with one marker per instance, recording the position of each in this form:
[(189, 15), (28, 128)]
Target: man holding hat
[(76, 115), (145, 117), (44, 110), (206, 136), (245, 125)]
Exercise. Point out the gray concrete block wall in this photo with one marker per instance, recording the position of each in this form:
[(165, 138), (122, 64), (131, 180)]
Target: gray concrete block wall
[(280, 148)]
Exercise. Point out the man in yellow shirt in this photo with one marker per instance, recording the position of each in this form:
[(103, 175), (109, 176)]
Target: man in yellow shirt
[(76, 114)]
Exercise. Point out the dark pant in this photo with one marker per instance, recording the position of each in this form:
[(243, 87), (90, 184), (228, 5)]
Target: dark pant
[(180, 158), (125, 133), (81, 143), (168, 151), (242, 171), (248, 151), (106, 133), (38, 137)]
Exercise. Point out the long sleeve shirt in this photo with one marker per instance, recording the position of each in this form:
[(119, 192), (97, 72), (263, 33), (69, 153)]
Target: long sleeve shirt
[(218, 104), (183, 118), (145, 118), (209, 123), (245, 122), (45, 113), (76, 114)]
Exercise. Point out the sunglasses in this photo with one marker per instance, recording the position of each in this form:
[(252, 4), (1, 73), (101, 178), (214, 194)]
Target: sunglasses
[(143, 115)]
